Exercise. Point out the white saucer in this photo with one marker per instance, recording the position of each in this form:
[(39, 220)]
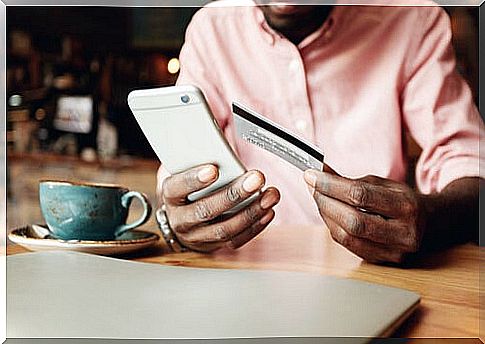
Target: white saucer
[(36, 238)]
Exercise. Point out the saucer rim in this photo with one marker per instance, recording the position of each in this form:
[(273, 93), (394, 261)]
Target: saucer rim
[(16, 238), (81, 183)]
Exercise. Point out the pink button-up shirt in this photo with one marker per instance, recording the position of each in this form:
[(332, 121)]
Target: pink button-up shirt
[(352, 88)]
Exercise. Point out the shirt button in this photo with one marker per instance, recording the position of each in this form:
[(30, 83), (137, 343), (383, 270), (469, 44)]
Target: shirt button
[(301, 125), (293, 66)]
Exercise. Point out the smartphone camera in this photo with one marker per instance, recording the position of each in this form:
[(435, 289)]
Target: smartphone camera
[(185, 99)]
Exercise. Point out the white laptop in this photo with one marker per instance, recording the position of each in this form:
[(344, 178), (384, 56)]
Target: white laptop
[(68, 294)]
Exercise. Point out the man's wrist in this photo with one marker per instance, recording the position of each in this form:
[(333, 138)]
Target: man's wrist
[(450, 216), (429, 207)]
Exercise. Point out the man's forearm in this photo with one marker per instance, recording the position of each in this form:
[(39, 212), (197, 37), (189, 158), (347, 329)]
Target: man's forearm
[(451, 216)]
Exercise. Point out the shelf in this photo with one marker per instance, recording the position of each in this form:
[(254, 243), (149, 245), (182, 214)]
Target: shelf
[(116, 164)]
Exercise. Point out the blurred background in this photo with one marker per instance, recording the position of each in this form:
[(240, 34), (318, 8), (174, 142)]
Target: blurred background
[(69, 71)]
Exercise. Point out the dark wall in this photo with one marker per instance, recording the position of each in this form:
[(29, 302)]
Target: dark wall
[(100, 28)]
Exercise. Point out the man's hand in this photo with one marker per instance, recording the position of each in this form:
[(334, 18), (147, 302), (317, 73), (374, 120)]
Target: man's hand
[(198, 224), (376, 218)]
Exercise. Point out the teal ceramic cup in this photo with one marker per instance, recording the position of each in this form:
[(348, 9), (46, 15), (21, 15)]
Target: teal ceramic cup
[(84, 211)]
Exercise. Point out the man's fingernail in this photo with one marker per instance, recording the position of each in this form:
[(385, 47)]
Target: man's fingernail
[(310, 177), (269, 199), (252, 182), (207, 173), (266, 218)]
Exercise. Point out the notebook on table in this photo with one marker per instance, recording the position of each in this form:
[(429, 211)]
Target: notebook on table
[(69, 294)]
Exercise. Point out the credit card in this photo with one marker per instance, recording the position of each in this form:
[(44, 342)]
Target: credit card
[(262, 132)]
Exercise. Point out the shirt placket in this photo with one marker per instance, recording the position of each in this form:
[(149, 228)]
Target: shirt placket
[(301, 112), (300, 108)]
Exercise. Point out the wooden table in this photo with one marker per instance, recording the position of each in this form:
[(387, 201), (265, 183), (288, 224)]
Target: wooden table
[(448, 281)]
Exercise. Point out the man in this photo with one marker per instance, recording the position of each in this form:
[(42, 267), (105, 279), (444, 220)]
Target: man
[(351, 80)]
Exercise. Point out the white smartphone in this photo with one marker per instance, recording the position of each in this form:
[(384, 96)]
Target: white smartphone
[(182, 131)]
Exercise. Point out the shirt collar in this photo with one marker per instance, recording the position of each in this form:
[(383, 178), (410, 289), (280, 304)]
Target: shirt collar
[(271, 36)]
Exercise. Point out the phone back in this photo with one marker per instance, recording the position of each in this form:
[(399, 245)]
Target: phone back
[(179, 126)]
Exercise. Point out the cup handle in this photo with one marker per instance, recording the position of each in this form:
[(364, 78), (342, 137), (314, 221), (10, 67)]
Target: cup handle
[(147, 210)]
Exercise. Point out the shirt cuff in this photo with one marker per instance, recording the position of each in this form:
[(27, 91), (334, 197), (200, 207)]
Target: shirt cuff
[(459, 167)]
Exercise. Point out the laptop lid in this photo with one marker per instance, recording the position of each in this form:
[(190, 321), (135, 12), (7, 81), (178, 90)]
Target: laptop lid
[(69, 294)]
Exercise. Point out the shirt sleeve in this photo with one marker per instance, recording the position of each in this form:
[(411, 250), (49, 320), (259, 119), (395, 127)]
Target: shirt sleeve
[(438, 108), (196, 67)]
